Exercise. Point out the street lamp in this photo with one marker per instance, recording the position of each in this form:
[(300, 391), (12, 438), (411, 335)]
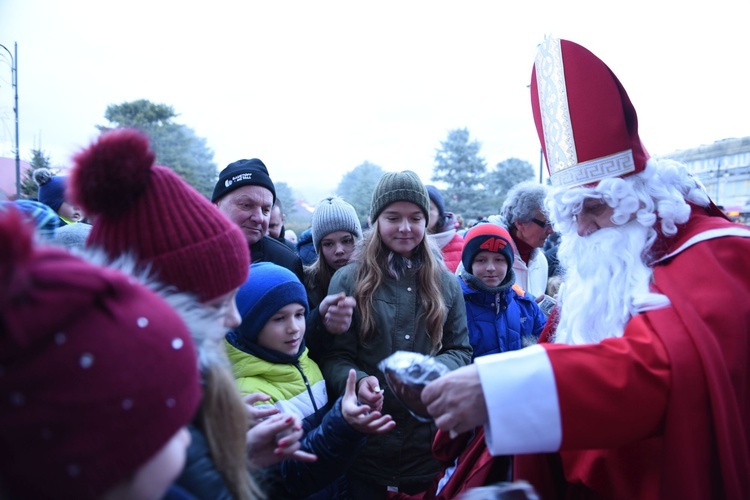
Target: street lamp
[(14, 79)]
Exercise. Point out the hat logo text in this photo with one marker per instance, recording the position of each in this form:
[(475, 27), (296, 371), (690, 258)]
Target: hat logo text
[(493, 244)]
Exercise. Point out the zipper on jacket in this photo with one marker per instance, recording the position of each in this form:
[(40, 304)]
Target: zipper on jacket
[(307, 385)]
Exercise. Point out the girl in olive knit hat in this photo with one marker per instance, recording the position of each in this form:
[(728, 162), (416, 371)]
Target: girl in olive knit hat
[(406, 300)]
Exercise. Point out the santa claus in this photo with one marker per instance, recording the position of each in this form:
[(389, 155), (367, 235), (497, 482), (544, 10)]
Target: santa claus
[(642, 389)]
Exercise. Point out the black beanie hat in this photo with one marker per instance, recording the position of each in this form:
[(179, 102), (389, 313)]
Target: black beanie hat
[(399, 186), (243, 173)]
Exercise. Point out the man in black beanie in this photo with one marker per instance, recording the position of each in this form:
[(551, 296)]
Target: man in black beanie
[(246, 195)]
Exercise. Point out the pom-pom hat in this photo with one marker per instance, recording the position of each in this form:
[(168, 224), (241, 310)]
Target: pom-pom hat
[(486, 236), (150, 211), (98, 372), (399, 186), (586, 123), (331, 215), (51, 188), (243, 173)]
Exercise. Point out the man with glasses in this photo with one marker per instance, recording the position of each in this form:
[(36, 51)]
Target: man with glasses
[(524, 215)]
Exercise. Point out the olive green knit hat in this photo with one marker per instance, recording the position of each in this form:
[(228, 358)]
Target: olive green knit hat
[(399, 186)]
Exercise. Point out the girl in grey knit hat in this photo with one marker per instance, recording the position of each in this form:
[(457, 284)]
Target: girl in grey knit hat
[(335, 231)]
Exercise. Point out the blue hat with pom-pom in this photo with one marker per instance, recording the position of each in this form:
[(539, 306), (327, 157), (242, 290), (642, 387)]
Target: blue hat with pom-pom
[(51, 188)]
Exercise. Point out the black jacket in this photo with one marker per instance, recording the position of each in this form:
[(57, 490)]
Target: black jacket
[(271, 250)]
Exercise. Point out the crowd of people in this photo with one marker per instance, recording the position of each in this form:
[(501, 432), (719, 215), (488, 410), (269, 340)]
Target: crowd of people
[(157, 344)]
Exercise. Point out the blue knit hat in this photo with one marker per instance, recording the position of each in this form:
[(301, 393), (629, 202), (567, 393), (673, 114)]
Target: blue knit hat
[(437, 199), (45, 219), (268, 289), (51, 188)]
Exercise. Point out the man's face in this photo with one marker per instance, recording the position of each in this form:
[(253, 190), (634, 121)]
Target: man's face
[(250, 208), (535, 232), (276, 223), (594, 215)]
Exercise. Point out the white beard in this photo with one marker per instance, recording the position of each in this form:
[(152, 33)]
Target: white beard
[(606, 282)]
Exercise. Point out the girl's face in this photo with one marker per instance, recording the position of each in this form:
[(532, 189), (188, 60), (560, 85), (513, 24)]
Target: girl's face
[(154, 477), (227, 308), (401, 227), (490, 268), (337, 248), (285, 330)]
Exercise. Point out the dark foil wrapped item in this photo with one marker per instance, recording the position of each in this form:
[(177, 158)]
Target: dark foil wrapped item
[(407, 373)]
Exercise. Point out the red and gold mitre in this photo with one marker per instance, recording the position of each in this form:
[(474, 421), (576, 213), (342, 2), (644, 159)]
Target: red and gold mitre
[(586, 123)]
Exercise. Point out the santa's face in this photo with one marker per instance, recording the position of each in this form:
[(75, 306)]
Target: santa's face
[(605, 271), (594, 215)]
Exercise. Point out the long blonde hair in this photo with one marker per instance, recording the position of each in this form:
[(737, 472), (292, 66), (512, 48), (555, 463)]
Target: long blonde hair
[(375, 260), (224, 419)]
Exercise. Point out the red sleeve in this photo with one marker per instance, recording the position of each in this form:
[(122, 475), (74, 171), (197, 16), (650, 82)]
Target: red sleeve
[(614, 392)]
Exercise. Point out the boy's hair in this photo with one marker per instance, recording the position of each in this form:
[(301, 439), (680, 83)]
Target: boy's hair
[(268, 288), (375, 260)]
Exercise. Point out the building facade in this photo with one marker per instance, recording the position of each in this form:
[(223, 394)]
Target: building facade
[(724, 169)]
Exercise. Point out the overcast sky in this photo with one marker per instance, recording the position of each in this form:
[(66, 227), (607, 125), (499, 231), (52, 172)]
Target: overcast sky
[(316, 88)]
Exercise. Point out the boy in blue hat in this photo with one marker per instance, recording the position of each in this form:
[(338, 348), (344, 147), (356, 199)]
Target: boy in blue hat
[(268, 355)]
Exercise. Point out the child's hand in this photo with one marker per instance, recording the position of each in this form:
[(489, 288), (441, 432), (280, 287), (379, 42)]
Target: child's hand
[(369, 392), (336, 311), (257, 414), (361, 417), (276, 439)]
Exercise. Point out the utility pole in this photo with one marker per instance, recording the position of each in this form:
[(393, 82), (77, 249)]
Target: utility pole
[(14, 79)]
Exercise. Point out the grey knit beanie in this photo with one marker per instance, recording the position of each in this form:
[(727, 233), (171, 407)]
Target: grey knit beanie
[(399, 186), (331, 215)]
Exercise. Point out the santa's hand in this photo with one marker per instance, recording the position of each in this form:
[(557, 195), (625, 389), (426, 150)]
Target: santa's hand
[(257, 414), (456, 400), (276, 439), (362, 417), (370, 394), (336, 312)]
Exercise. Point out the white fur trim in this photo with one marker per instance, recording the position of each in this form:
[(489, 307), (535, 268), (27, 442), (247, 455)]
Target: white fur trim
[(522, 402)]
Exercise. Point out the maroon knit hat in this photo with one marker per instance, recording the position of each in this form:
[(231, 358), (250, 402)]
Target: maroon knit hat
[(97, 372), (149, 210)]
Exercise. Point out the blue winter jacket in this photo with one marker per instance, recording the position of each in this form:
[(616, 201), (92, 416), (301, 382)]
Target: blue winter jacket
[(500, 322)]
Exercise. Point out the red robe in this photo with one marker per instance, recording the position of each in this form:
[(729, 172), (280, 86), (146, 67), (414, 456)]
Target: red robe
[(680, 430)]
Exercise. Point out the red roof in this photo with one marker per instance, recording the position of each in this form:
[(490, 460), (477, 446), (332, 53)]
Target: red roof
[(8, 175)]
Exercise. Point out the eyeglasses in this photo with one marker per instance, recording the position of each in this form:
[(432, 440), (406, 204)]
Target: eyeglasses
[(544, 224)]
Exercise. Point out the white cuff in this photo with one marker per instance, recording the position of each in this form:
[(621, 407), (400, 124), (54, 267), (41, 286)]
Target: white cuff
[(521, 396)]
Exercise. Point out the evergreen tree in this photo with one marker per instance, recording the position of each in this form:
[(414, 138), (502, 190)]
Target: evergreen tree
[(459, 166), (176, 146), (357, 186), (39, 159), (505, 175)]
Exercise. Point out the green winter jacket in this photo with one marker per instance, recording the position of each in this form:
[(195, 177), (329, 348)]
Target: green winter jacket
[(404, 454), (297, 389)]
